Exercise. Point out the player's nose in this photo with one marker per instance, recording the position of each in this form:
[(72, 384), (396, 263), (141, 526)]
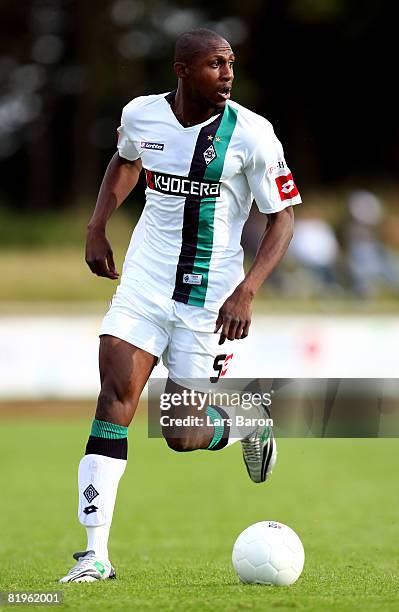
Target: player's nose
[(226, 74)]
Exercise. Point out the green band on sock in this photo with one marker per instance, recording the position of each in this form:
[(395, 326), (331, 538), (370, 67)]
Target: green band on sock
[(218, 429), (111, 431)]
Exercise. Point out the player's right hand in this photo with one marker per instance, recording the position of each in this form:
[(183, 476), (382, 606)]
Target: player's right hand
[(99, 256), (234, 316)]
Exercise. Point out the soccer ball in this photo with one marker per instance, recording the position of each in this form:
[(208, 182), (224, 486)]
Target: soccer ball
[(268, 553)]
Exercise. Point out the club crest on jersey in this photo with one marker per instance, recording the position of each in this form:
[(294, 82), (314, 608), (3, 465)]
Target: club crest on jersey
[(209, 154), (155, 146)]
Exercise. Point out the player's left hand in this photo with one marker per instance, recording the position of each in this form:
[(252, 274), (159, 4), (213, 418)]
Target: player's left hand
[(235, 315)]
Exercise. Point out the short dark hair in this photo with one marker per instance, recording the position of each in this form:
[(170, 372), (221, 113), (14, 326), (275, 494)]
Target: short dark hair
[(194, 41)]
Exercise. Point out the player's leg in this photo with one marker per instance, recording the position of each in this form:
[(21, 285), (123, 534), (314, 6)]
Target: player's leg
[(198, 433), (124, 370), (213, 427), (189, 358), (194, 362)]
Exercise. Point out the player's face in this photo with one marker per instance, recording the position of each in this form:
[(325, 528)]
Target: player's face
[(211, 75)]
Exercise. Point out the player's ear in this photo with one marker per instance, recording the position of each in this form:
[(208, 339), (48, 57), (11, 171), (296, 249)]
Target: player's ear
[(181, 69)]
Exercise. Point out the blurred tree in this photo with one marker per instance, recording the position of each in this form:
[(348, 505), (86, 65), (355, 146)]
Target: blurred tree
[(313, 67)]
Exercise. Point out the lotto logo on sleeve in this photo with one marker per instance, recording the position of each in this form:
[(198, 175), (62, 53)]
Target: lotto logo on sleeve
[(286, 187), (155, 146)]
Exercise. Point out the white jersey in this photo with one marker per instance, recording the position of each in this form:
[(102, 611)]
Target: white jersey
[(201, 181)]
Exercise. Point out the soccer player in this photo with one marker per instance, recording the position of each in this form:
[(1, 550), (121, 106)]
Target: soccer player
[(205, 158)]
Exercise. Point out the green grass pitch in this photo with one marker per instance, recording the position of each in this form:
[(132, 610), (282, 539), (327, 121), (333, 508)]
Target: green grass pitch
[(178, 515)]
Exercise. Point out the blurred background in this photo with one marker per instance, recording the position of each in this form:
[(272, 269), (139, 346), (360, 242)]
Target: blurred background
[(317, 69)]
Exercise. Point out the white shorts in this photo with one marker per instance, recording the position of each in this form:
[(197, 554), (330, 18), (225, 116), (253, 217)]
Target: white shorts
[(182, 334)]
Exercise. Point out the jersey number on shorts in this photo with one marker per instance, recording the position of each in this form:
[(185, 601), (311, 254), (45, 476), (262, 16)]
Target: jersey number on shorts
[(220, 366)]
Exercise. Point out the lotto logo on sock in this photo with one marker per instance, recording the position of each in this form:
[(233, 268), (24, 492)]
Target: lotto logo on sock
[(90, 493), (90, 509)]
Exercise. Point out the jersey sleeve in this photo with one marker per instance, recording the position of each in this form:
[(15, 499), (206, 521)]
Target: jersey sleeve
[(126, 146), (268, 175)]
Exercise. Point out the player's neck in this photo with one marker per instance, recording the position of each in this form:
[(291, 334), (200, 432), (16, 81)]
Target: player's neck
[(189, 111)]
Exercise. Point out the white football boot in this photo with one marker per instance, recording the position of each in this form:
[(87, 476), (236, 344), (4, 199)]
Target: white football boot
[(259, 451), (89, 568)]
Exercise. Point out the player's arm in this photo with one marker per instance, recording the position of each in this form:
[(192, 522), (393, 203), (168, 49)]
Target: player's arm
[(272, 186), (120, 178), (235, 315), (272, 248)]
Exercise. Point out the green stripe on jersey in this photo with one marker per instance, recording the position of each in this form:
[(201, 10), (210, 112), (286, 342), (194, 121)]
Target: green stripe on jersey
[(225, 132), (206, 225)]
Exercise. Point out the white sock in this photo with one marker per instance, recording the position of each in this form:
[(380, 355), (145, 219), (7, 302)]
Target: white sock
[(97, 540), (98, 480)]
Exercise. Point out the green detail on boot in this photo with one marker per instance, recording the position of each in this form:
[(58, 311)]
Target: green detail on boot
[(100, 567)]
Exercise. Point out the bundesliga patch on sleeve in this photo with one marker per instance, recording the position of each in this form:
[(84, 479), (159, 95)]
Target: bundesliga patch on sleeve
[(286, 187)]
